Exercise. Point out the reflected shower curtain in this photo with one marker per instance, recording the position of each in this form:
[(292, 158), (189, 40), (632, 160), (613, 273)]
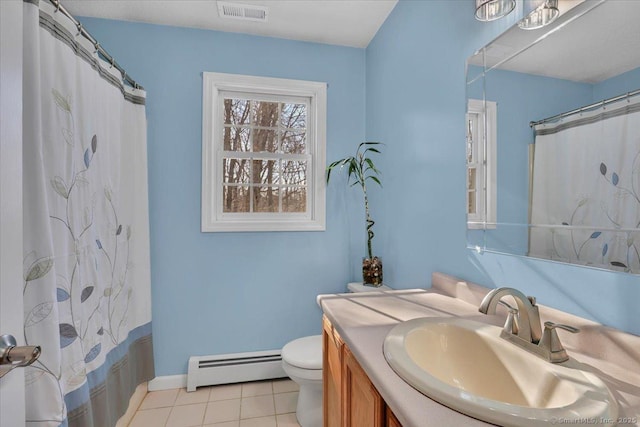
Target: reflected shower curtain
[(86, 240), (586, 189)]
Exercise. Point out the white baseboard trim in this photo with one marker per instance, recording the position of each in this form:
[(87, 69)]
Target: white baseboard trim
[(167, 382)]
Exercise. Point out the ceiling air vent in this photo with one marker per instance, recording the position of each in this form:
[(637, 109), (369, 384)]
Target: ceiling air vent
[(246, 12)]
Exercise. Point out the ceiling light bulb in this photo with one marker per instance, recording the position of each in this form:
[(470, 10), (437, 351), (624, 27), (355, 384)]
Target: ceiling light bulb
[(490, 10), (541, 16)]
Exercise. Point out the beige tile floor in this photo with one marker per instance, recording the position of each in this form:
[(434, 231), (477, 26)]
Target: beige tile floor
[(254, 404)]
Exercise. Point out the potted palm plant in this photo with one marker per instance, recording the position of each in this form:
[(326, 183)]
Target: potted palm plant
[(361, 169)]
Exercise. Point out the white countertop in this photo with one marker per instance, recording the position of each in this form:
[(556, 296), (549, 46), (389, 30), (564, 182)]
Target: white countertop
[(364, 319)]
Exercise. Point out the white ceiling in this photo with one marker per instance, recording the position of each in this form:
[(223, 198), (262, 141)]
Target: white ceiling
[(340, 22)]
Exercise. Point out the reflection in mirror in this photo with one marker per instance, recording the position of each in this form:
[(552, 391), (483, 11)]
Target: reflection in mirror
[(568, 136)]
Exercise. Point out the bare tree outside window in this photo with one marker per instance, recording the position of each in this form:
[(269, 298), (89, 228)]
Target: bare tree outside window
[(263, 165)]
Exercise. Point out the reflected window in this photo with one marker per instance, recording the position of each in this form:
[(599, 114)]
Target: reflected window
[(481, 124)]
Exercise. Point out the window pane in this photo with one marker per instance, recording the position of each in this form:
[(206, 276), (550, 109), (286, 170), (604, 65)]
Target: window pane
[(235, 199), (294, 116), (236, 139), (235, 171), (265, 199), (265, 140), (265, 172), (294, 172), (294, 142), (469, 140), (294, 199), (236, 111), (259, 145), (265, 114), (471, 179), (471, 207)]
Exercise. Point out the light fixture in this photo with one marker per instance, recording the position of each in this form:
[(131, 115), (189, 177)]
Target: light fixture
[(490, 10), (541, 16)]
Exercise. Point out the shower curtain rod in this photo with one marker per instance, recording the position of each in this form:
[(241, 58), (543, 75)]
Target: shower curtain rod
[(587, 107), (60, 8)]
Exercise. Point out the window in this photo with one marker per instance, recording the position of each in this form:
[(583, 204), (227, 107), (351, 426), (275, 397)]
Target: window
[(481, 164), (263, 154)]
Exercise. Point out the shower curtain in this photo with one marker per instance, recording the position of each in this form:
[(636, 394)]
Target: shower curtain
[(86, 240), (586, 188)]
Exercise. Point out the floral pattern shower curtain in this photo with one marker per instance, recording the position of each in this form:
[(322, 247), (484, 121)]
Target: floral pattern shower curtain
[(86, 262), (586, 189)]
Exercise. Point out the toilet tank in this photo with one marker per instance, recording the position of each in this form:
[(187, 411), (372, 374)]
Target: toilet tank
[(360, 287)]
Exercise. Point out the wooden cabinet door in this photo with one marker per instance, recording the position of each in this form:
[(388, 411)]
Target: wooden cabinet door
[(392, 421), (332, 346), (363, 405)]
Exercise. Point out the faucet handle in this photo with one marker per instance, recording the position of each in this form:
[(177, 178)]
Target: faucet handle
[(551, 342), (552, 325)]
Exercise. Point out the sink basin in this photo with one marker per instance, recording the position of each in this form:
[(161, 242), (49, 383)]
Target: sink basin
[(466, 366)]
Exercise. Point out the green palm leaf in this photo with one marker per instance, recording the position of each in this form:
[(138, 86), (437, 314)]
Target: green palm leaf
[(361, 168)]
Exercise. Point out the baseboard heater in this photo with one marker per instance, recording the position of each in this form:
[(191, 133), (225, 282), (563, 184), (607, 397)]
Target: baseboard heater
[(234, 368)]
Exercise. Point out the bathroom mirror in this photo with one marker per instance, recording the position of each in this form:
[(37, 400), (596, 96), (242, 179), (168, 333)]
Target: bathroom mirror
[(568, 188)]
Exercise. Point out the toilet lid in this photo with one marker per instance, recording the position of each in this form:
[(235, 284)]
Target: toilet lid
[(305, 353), (356, 287)]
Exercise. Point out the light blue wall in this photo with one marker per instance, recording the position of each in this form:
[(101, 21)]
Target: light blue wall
[(215, 293), (625, 82), (416, 104)]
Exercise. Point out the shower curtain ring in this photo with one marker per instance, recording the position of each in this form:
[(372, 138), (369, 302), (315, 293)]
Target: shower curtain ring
[(97, 46), (57, 7), (112, 62), (79, 26)]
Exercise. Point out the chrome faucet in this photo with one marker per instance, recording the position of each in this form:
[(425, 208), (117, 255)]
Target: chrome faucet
[(523, 325), (529, 328)]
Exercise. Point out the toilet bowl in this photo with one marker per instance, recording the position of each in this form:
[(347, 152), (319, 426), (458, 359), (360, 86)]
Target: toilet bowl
[(302, 362)]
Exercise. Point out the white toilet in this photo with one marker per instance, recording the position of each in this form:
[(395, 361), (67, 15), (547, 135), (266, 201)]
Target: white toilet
[(302, 362)]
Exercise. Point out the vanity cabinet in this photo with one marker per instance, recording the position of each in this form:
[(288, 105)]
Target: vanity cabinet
[(391, 420), (349, 398), (332, 346), (363, 405)]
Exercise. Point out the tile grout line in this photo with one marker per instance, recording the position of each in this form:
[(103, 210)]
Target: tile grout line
[(243, 396), (273, 401)]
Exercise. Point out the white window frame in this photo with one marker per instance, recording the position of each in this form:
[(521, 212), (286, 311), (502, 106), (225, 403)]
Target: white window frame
[(213, 217), (486, 170)]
